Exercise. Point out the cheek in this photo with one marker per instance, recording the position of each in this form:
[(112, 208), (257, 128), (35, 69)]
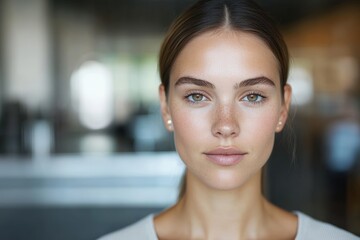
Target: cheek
[(191, 132), (262, 122), (259, 129), (190, 125)]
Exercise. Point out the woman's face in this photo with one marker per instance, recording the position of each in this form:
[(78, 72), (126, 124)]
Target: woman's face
[(225, 105)]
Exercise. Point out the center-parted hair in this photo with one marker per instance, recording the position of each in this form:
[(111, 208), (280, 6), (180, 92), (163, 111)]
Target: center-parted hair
[(206, 15)]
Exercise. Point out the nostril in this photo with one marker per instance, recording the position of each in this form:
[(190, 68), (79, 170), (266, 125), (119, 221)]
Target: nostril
[(227, 130)]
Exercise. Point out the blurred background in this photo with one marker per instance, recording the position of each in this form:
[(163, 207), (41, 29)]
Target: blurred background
[(82, 147)]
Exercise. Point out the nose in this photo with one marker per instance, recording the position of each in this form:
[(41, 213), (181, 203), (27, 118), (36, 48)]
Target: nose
[(226, 123)]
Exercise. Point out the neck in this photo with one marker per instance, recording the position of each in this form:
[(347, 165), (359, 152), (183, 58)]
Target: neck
[(211, 213)]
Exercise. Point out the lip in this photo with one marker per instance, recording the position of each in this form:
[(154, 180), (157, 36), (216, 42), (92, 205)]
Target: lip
[(225, 156)]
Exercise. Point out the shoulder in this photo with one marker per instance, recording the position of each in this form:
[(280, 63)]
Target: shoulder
[(311, 229), (142, 230)]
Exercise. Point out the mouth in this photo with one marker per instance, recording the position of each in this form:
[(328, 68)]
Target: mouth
[(225, 156)]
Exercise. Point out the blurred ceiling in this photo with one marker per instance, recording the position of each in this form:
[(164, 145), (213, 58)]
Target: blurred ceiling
[(156, 15)]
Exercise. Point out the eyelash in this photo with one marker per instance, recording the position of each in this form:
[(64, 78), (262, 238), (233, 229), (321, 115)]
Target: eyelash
[(195, 93), (262, 98)]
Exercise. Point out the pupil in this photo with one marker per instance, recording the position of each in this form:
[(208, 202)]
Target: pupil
[(197, 97), (252, 97)]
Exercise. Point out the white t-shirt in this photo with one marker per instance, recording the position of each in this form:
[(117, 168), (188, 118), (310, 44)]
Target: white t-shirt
[(308, 229)]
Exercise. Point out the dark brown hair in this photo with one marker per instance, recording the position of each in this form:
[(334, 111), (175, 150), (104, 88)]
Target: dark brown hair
[(207, 15)]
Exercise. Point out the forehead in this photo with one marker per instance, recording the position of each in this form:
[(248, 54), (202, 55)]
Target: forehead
[(225, 54)]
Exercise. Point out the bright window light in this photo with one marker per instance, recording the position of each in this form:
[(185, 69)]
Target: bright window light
[(92, 89), (301, 82)]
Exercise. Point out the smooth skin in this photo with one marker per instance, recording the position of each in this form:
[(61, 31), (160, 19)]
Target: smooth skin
[(225, 93)]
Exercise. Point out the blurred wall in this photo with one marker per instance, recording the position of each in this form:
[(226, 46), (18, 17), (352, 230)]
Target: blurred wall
[(26, 49)]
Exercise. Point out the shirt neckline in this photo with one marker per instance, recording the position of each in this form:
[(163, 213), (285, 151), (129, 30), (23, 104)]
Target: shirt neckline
[(299, 230)]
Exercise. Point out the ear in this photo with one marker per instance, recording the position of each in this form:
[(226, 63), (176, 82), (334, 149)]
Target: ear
[(165, 113), (284, 108)]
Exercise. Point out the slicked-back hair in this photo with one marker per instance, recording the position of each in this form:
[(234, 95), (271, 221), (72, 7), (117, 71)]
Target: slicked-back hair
[(206, 15)]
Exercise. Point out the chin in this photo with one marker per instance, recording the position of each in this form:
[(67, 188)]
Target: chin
[(227, 180)]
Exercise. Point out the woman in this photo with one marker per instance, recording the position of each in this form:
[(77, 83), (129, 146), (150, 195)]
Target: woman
[(224, 67)]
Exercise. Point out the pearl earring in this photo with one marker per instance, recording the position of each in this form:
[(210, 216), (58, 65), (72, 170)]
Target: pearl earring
[(170, 126)]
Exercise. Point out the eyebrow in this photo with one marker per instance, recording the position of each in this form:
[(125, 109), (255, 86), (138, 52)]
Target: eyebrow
[(245, 83), (255, 81), (195, 81)]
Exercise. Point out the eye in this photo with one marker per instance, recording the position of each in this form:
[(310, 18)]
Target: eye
[(196, 97), (253, 98)]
